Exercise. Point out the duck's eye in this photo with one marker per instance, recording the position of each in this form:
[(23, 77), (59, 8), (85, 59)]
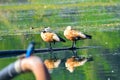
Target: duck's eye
[(44, 31)]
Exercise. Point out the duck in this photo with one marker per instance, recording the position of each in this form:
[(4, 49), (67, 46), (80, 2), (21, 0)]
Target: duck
[(75, 35), (50, 37)]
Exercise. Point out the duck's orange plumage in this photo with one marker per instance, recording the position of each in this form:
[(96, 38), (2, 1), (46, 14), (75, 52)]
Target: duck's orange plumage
[(48, 36), (72, 34), (75, 35)]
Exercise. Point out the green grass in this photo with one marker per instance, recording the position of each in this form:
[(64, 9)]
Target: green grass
[(21, 17)]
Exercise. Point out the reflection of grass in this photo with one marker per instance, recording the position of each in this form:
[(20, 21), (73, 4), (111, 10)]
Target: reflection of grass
[(89, 70), (98, 68), (27, 76), (7, 61)]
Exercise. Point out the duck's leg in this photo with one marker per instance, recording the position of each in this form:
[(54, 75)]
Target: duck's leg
[(50, 46), (52, 55), (51, 52), (74, 44), (75, 53)]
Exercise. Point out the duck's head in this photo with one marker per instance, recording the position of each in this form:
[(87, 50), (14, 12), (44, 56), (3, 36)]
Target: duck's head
[(46, 29), (68, 27)]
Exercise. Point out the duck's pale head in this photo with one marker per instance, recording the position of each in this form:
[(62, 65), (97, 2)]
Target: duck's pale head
[(47, 29), (68, 27)]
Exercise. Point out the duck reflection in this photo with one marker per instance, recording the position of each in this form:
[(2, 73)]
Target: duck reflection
[(52, 63), (73, 62)]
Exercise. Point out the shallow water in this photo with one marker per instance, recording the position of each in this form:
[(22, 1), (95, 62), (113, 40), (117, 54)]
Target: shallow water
[(106, 55), (102, 23)]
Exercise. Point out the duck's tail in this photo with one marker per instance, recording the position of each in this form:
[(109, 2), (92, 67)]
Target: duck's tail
[(61, 39), (88, 36)]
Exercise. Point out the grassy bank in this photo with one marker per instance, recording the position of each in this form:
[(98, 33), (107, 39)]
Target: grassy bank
[(94, 14)]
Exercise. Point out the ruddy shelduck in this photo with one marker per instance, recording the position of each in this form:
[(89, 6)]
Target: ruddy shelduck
[(50, 37), (75, 35)]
